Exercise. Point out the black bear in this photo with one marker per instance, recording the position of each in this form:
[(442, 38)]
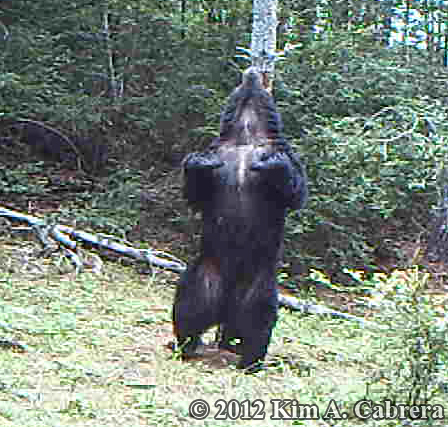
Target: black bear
[(242, 184)]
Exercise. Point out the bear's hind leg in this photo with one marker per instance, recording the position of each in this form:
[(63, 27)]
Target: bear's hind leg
[(197, 306)]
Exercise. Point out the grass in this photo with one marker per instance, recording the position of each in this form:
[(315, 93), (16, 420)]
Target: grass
[(97, 355)]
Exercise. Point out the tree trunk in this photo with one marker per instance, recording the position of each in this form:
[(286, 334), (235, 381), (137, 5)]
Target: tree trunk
[(437, 249), (264, 37)]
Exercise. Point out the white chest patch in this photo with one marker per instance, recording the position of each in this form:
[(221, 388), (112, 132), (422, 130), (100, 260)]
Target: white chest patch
[(245, 156), (239, 159)]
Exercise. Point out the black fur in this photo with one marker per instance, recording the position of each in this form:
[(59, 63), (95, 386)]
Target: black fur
[(242, 185)]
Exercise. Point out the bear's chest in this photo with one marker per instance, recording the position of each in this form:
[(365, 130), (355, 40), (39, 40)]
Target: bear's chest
[(236, 172)]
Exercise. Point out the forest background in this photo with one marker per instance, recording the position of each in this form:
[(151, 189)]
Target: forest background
[(133, 86), (137, 85)]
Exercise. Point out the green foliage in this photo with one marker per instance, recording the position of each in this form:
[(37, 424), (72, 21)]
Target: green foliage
[(355, 110), (371, 158), (416, 344), (409, 346), (59, 73)]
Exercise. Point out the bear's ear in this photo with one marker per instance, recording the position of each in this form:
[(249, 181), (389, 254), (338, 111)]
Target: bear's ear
[(261, 79), (267, 82)]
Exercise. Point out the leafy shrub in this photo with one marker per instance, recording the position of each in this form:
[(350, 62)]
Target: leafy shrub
[(416, 346), (361, 121)]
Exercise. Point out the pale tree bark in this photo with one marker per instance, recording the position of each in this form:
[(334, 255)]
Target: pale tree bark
[(116, 85), (264, 38)]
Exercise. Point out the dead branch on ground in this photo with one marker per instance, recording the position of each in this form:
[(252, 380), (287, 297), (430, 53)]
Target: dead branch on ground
[(69, 238)]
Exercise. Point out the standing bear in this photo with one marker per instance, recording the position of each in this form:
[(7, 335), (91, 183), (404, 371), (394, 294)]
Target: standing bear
[(243, 185)]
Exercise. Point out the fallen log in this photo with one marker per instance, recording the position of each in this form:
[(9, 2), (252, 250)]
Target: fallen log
[(69, 238)]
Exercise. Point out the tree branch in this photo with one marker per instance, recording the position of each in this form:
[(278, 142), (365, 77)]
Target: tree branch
[(69, 237)]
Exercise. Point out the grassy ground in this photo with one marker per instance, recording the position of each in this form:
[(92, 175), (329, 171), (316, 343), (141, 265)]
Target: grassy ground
[(93, 350), (96, 354)]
